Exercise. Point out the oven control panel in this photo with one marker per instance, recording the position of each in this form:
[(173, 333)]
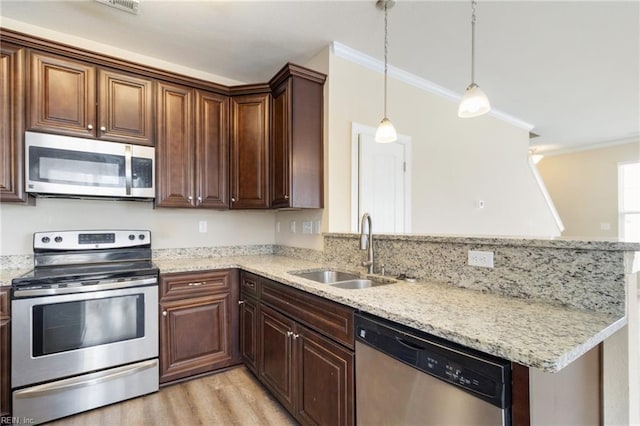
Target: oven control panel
[(88, 240)]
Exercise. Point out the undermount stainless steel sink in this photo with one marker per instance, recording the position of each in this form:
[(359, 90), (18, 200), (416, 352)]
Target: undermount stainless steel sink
[(339, 279), (326, 276)]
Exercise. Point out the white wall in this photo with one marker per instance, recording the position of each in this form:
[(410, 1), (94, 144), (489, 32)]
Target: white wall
[(170, 228), (456, 162)]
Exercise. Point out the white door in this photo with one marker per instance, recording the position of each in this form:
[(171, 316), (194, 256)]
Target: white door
[(383, 186)]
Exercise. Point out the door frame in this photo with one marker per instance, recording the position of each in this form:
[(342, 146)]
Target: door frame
[(356, 129)]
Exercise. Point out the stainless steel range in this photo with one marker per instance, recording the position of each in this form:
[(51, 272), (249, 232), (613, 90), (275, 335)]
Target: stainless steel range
[(85, 323)]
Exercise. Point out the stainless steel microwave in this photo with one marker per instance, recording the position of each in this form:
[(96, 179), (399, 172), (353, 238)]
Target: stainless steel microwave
[(70, 166)]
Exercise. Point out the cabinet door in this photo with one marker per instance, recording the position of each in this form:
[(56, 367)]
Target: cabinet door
[(11, 123), (195, 336), (212, 150), (280, 146), (250, 152), (249, 332), (5, 350), (276, 355), (125, 108), (325, 374), (175, 147), (62, 96)]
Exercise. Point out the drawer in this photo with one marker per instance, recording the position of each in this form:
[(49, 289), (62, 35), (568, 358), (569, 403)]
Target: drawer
[(193, 284), (329, 318), (249, 284)]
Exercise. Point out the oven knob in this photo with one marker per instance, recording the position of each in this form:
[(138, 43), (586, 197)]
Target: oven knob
[(58, 239), (141, 236), (132, 237), (45, 240)]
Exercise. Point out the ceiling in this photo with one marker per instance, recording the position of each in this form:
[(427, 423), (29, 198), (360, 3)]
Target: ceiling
[(570, 68)]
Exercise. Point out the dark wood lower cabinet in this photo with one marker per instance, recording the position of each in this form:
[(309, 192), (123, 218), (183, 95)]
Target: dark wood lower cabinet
[(197, 330), (5, 352), (307, 369)]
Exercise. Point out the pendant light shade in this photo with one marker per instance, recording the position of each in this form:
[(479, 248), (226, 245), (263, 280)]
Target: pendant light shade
[(385, 133), (474, 102)]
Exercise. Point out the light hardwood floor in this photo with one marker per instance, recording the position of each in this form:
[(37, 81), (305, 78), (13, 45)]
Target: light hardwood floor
[(233, 397)]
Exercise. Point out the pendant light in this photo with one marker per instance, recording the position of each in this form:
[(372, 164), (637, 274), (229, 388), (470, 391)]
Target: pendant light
[(474, 102), (386, 133)]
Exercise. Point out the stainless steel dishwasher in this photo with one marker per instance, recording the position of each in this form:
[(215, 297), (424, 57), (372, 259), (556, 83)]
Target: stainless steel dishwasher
[(405, 377)]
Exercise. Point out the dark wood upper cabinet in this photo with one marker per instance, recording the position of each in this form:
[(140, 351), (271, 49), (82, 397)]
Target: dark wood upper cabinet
[(175, 148), (192, 148), (297, 152), (249, 160), (212, 150), (12, 123), (79, 99), (125, 108)]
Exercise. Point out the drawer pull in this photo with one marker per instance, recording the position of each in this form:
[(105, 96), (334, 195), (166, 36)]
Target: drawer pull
[(295, 336), (289, 333), (240, 302), (164, 313), (197, 284)]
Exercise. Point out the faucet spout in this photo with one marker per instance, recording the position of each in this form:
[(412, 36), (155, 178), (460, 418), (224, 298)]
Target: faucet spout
[(366, 241)]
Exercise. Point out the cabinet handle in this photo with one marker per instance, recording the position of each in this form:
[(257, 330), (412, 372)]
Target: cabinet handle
[(90, 127), (196, 284), (295, 336), (103, 129), (190, 198), (289, 333), (240, 302), (233, 199), (286, 197), (164, 313), (199, 199)]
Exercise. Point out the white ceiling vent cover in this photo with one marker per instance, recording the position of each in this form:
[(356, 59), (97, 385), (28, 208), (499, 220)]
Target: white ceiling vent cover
[(130, 6)]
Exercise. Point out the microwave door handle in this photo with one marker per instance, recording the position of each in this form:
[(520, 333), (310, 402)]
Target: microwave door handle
[(127, 167)]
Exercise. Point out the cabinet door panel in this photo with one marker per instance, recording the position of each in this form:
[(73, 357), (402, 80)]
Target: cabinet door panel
[(280, 147), (11, 123), (125, 108), (194, 336), (63, 96), (212, 150), (275, 361), (249, 333), (325, 380), (250, 151), (175, 147)]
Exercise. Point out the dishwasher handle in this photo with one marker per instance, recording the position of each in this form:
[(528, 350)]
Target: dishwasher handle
[(409, 344)]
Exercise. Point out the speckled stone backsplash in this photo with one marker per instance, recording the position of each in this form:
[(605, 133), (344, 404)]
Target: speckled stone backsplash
[(191, 252), (585, 275)]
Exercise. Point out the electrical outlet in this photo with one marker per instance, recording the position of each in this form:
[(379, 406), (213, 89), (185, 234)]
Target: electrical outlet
[(483, 259), (307, 227), (202, 226)]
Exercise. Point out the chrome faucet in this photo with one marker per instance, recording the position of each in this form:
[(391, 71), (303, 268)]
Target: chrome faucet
[(366, 241)]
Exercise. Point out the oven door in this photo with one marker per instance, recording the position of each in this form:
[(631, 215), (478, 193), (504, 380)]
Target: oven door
[(65, 335), (66, 165)]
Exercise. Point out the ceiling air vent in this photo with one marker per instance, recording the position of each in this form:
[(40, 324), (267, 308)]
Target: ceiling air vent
[(130, 6)]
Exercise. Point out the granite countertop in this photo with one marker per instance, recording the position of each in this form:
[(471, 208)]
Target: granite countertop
[(531, 333)]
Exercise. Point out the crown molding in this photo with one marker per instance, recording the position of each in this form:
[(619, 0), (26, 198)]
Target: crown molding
[(345, 52), (589, 147)]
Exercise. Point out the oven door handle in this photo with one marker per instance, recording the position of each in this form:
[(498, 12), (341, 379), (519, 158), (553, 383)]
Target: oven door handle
[(82, 382), (107, 285)]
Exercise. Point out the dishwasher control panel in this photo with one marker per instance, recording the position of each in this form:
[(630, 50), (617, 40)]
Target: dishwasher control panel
[(481, 374)]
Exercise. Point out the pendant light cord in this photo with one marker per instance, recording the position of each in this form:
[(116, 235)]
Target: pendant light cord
[(473, 40), (386, 47)]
